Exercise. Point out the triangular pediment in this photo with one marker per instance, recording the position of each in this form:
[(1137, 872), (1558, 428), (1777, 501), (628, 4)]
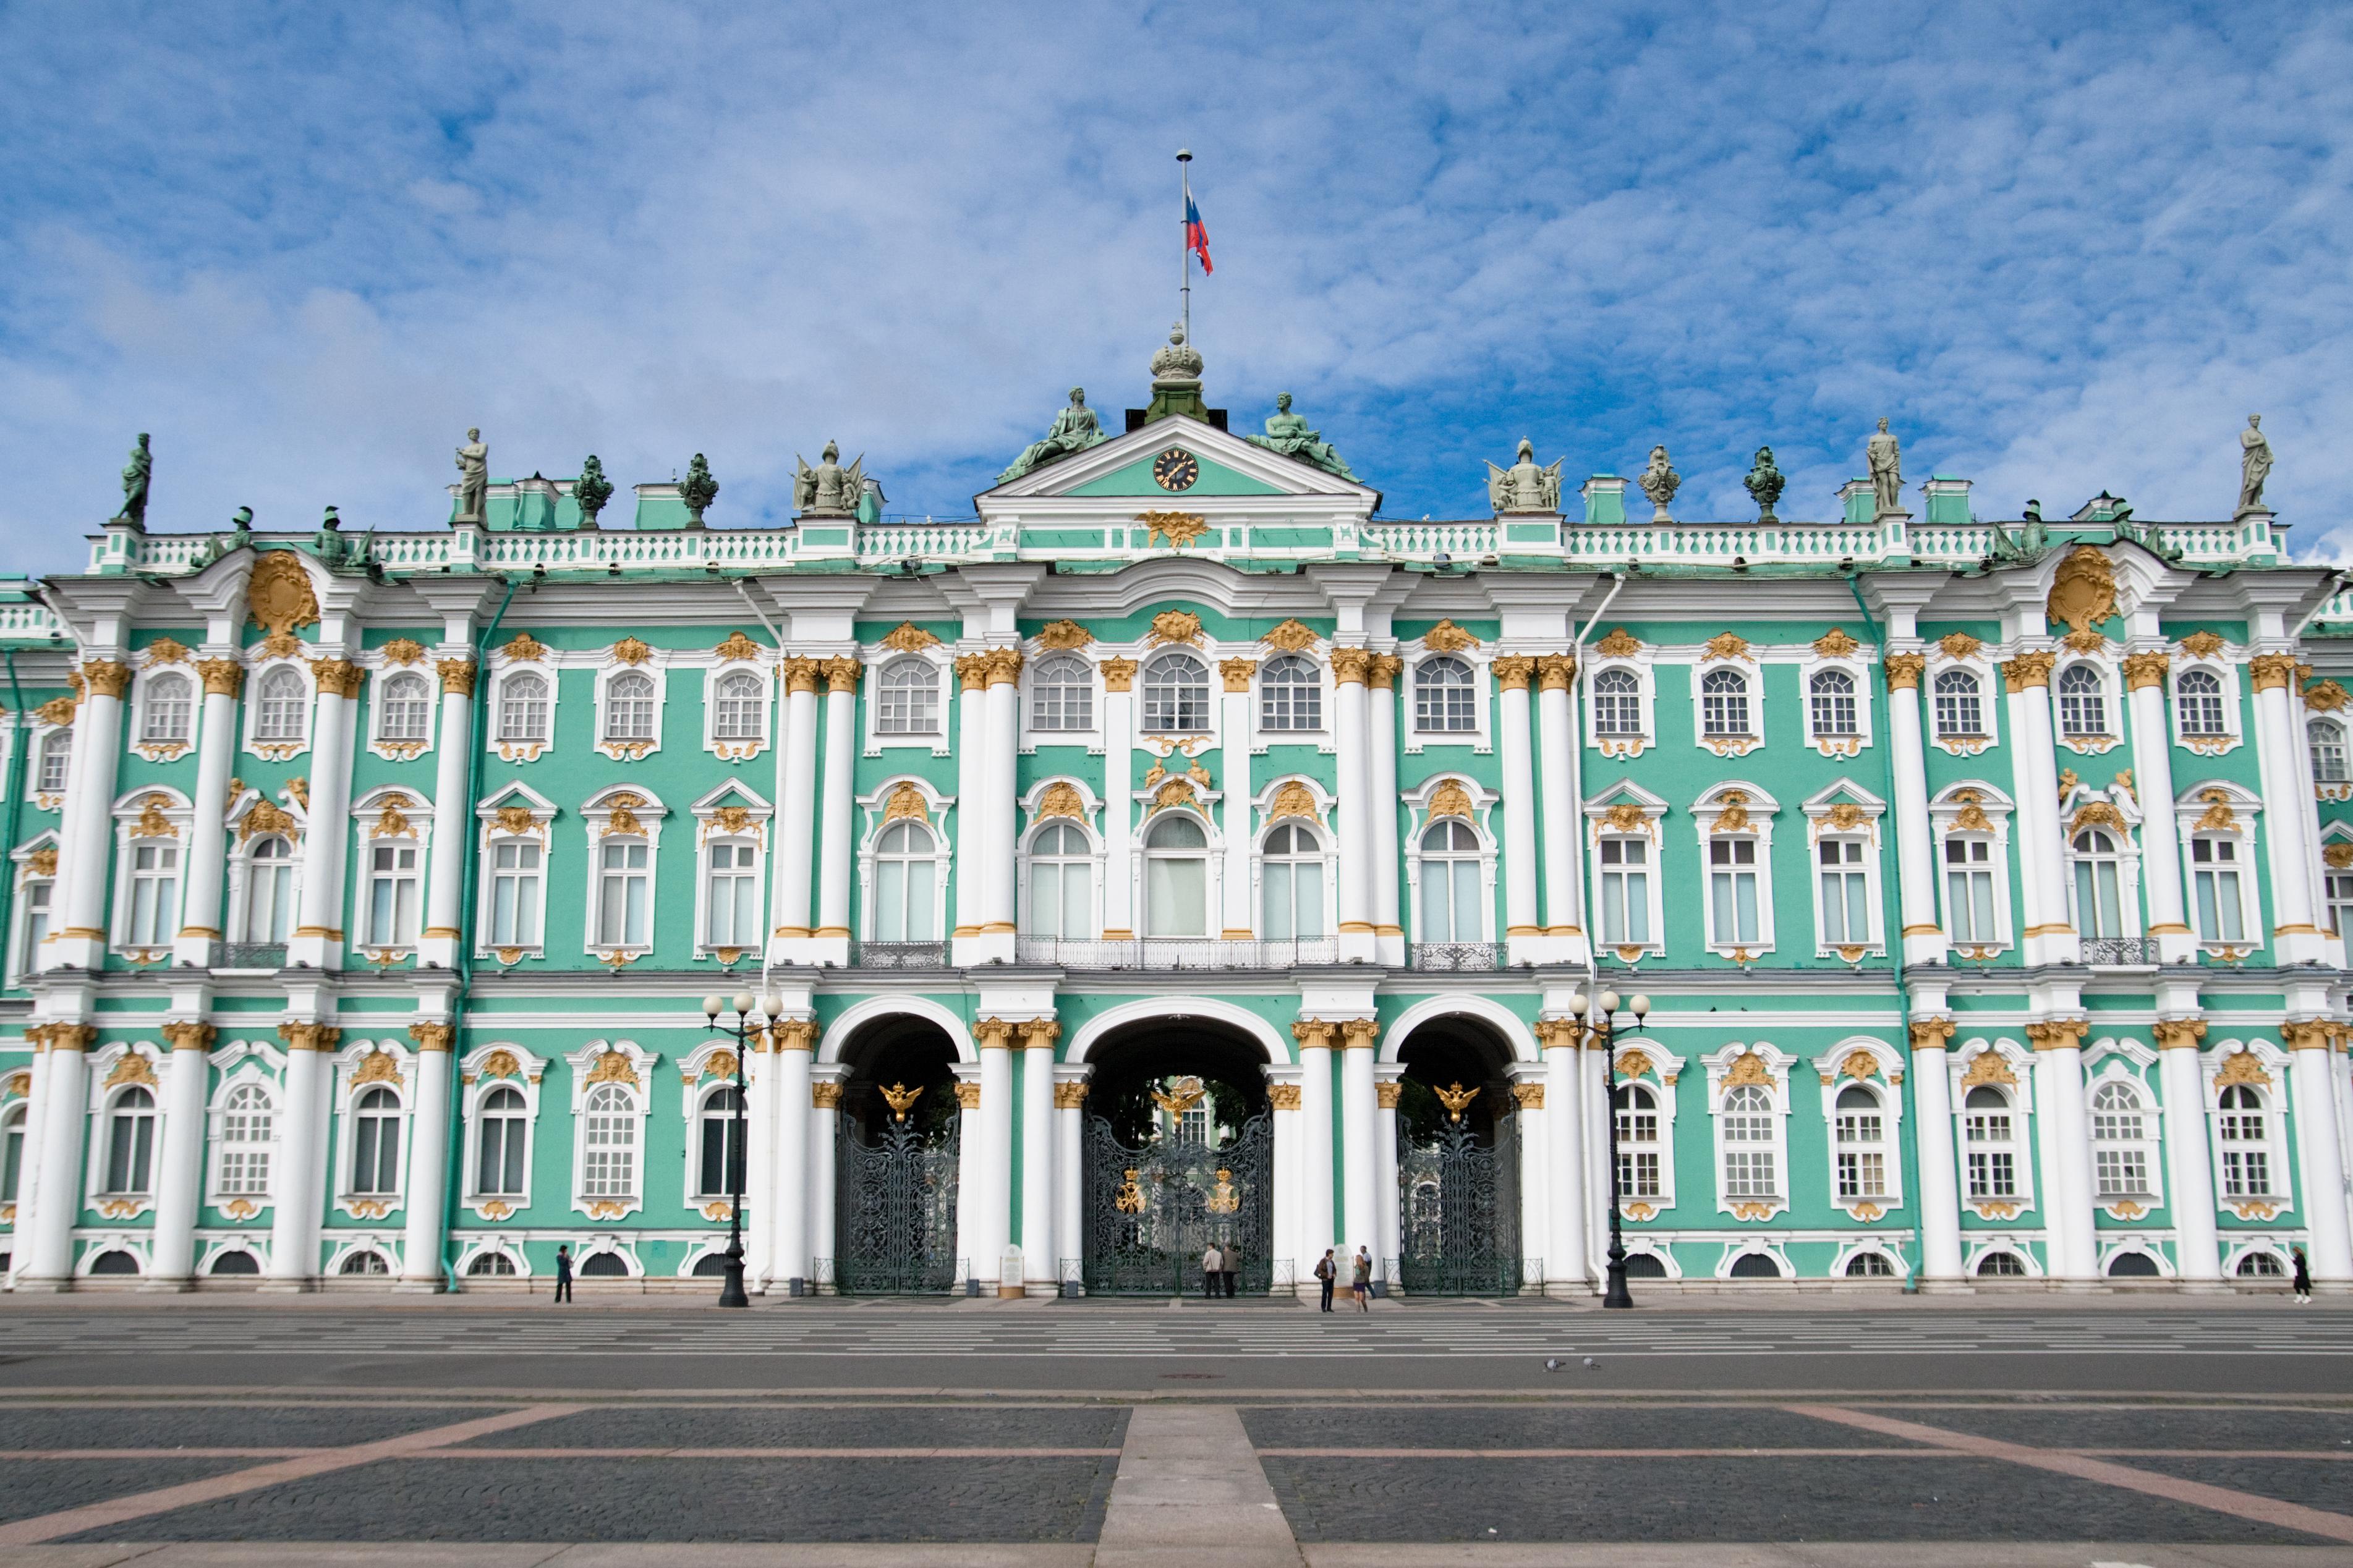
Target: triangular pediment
[(1123, 469)]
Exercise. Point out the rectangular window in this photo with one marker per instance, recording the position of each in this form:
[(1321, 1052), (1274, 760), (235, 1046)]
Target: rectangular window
[(131, 1151), (732, 904), (2215, 862), (1993, 1173), (1732, 890), (621, 896), (375, 1154), (1625, 892), (1059, 901), (36, 923), (1861, 1174), (609, 1168), (515, 894), (1637, 1173), (1846, 893), (2099, 907), (154, 894), (2121, 1173), (2340, 902), (392, 896), (2246, 1173), (499, 1167), (1748, 1173), (57, 755), (1969, 889)]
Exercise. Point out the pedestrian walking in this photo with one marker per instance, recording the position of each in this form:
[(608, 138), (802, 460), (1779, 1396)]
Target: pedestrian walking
[(1362, 1282), (1213, 1262), (1229, 1263), (2302, 1277), (1327, 1272), (563, 1274)]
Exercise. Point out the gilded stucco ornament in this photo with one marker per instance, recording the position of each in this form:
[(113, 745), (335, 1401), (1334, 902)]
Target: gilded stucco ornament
[(1763, 484), (737, 649), (2202, 644), (1175, 529), (1173, 626), (1660, 482), (1989, 1067), (1525, 487), (1295, 799), (1729, 645), (1835, 644), (2242, 1066), (1287, 435), (906, 801), (1074, 429), (1291, 636), (1747, 1070), (1061, 636), (908, 638), (613, 1066), (524, 648), (1447, 637), (278, 596), (1449, 799), (2082, 589), (631, 651), (1960, 645), (1619, 643), (1062, 799)]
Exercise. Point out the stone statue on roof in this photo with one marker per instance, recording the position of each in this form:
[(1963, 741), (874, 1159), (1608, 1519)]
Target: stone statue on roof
[(1075, 428), (1765, 483), (1287, 435), (134, 484), (1525, 487), (1886, 459), (828, 490), (1659, 482), (2255, 465), (473, 477)]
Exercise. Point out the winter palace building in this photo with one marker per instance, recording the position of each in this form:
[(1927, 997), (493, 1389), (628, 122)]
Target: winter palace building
[(1176, 853)]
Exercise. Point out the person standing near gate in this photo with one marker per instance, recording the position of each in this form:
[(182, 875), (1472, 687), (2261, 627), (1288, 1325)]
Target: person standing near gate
[(1213, 1262), (1362, 1281), (1229, 1263), (1327, 1272), (563, 1274)]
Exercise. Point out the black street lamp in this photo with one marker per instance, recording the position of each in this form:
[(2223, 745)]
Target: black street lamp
[(1604, 1010), (730, 1294)]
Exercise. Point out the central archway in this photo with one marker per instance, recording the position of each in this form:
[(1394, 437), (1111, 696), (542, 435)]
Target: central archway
[(896, 1150), (1458, 1161), (1178, 1156)]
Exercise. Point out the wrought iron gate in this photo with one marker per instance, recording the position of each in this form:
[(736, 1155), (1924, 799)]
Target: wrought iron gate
[(1152, 1211), (1459, 1219), (896, 1220)]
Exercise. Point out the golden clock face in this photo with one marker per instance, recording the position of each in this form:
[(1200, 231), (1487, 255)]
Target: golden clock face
[(1175, 469)]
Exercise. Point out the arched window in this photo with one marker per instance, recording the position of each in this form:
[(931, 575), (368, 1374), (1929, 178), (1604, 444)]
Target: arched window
[(2099, 901), (523, 708), (731, 907), (231, 1264), (169, 707), (1625, 890), (364, 1263), (2198, 699), (57, 756), (2259, 1266), (1061, 882), (114, 1260), (1617, 703), (2119, 1142), (1832, 698), (1177, 878), (1992, 1145), (629, 707), (489, 1266), (1292, 882), (2328, 740), (2246, 1151), (719, 1145), (2214, 873), (608, 1144), (1755, 1266), (907, 699), (1445, 699), (12, 1152), (1724, 704), (1870, 1266), (375, 1141), (1290, 694), (603, 1266), (268, 890), (1748, 1128), (739, 707), (905, 868), (130, 1142), (1960, 707), (1639, 1143), (499, 1144), (2083, 705), (1062, 693), (247, 1126), (1970, 908), (403, 708), (283, 700), (1177, 695), (1450, 883), (1861, 1145), (2001, 1265), (1732, 871)]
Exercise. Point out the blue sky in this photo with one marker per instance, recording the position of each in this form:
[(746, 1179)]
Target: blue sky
[(308, 245)]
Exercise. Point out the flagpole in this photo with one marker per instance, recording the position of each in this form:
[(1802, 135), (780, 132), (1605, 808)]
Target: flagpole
[(1185, 259)]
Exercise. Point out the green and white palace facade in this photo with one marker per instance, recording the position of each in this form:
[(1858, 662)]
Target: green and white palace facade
[(1179, 853)]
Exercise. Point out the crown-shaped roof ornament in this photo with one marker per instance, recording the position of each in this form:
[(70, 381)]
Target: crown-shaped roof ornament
[(1176, 360)]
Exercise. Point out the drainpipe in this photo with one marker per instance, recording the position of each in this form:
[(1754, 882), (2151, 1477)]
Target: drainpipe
[(1577, 803), (20, 722), (777, 731), (1891, 917)]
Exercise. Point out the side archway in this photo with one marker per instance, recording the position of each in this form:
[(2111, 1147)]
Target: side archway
[(1272, 1041), (844, 1029), (1494, 1014)]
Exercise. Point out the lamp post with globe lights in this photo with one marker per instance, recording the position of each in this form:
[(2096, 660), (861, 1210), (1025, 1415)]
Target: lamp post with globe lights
[(1603, 1010), (730, 1294)]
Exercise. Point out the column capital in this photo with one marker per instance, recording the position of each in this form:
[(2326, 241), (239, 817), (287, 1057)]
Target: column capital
[(1282, 1096), (1040, 1034), (2058, 1034), (1382, 672), (2178, 1034), (1555, 671), (841, 676), (967, 1096), (824, 1095), (1119, 674), (433, 1037), (1004, 666), (2272, 670), (71, 1036), (458, 676), (993, 1035), (1385, 1093), (792, 1035), (1070, 1096), (1562, 1033), (223, 676), (337, 677), (106, 677), (1350, 666), (2027, 670), (2307, 1035), (310, 1037), (1529, 1095), (189, 1036), (1237, 672), (1360, 1034), (1313, 1033), (1932, 1034), (801, 675), (1512, 670), (2147, 668), (1904, 670)]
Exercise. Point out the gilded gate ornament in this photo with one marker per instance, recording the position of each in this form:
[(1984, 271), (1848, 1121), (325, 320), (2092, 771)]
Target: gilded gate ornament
[(902, 1099), (1456, 1099), (1131, 1195), (1181, 1095), (1223, 1198)]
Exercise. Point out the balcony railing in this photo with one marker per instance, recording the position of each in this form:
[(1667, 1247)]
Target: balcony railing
[(1455, 956), (899, 954), (2119, 950), (1177, 953), (247, 955)]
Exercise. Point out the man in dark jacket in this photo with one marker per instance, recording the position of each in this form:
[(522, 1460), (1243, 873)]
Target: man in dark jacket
[(563, 1274), (1327, 1271)]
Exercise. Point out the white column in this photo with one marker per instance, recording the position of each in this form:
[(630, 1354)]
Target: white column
[(29, 1178), (1291, 1266), (319, 938), (1940, 1192), (1537, 1196), (298, 1194), (796, 811), (1000, 715), (425, 1238), (2296, 937), (1520, 870), (1119, 807), (994, 1202), (2049, 936), (972, 676), (972, 1177), (180, 1172), (204, 872), (792, 1047), (2059, 1056), (1349, 668), (1387, 1244), (2188, 1158), (839, 848), (1922, 937), (1069, 1156), (762, 1134), (2309, 1065), (454, 838), (2160, 842), (1234, 768), (1358, 1109), (1040, 1246), (1565, 1253), (58, 1198), (1316, 1228), (89, 818), (1388, 931), (1556, 744), (822, 1112)]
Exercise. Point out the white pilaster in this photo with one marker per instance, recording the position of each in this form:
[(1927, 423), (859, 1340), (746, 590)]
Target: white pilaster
[(319, 938), (298, 1194), (792, 1050), (1040, 1247), (2160, 857), (425, 1238), (2296, 936), (2059, 1091), (839, 846), (1290, 1262), (1556, 743), (28, 1178), (1359, 1108), (1389, 931), (65, 1087), (1940, 1192), (2049, 937), (1565, 1255), (1922, 937), (1521, 930), (1387, 1243), (1119, 806), (454, 838), (2188, 1158), (208, 862), (993, 1230), (1317, 1231), (1234, 768), (1000, 715), (1349, 668), (822, 1109), (2310, 1063), (1069, 1156), (82, 870), (180, 1171), (1537, 1195), (797, 812)]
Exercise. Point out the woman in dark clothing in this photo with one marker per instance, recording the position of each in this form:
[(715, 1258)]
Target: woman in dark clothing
[(2302, 1277)]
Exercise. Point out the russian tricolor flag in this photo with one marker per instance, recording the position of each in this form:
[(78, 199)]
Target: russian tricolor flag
[(1197, 235)]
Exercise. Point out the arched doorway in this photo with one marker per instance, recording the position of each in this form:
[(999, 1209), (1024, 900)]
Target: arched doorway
[(1458, 1162), (1178, 1156), (896, 1151)]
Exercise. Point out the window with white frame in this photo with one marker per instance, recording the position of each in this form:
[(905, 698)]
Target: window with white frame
[(1290, 881), (1175, 879), (1831, 699), (731, 902), (1450, 878), (247, 1125), (1989, 1136), (907, 699), (1290, 694), (38, 895), (395, 892), (1970, 914), (1959, 705), (1732, 901), (2326, 738), (1617, 703), (403, 708), (2214, 867), (2198, 703), (1747, 1126), (268, 890), (517, 890), (1641, 1147), (906, 872), (282, 701), (170, 709), (1843, 869), (1061, 882), (2337, 889), (624, 892), (719, 1145), (12, 1152), (1860, 1132), (608, 1144), (1724, 705), (2083, 703), (57, 756), (1062, 693), (1445, 697), (1175, 695), (1625, 891), (130, 1143), (2120, 1142), (376, 1142), (502, 1145), (2099, 883), (739, 707), (2246, 1144), (629, 707), (523, 708), (154, 893)]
